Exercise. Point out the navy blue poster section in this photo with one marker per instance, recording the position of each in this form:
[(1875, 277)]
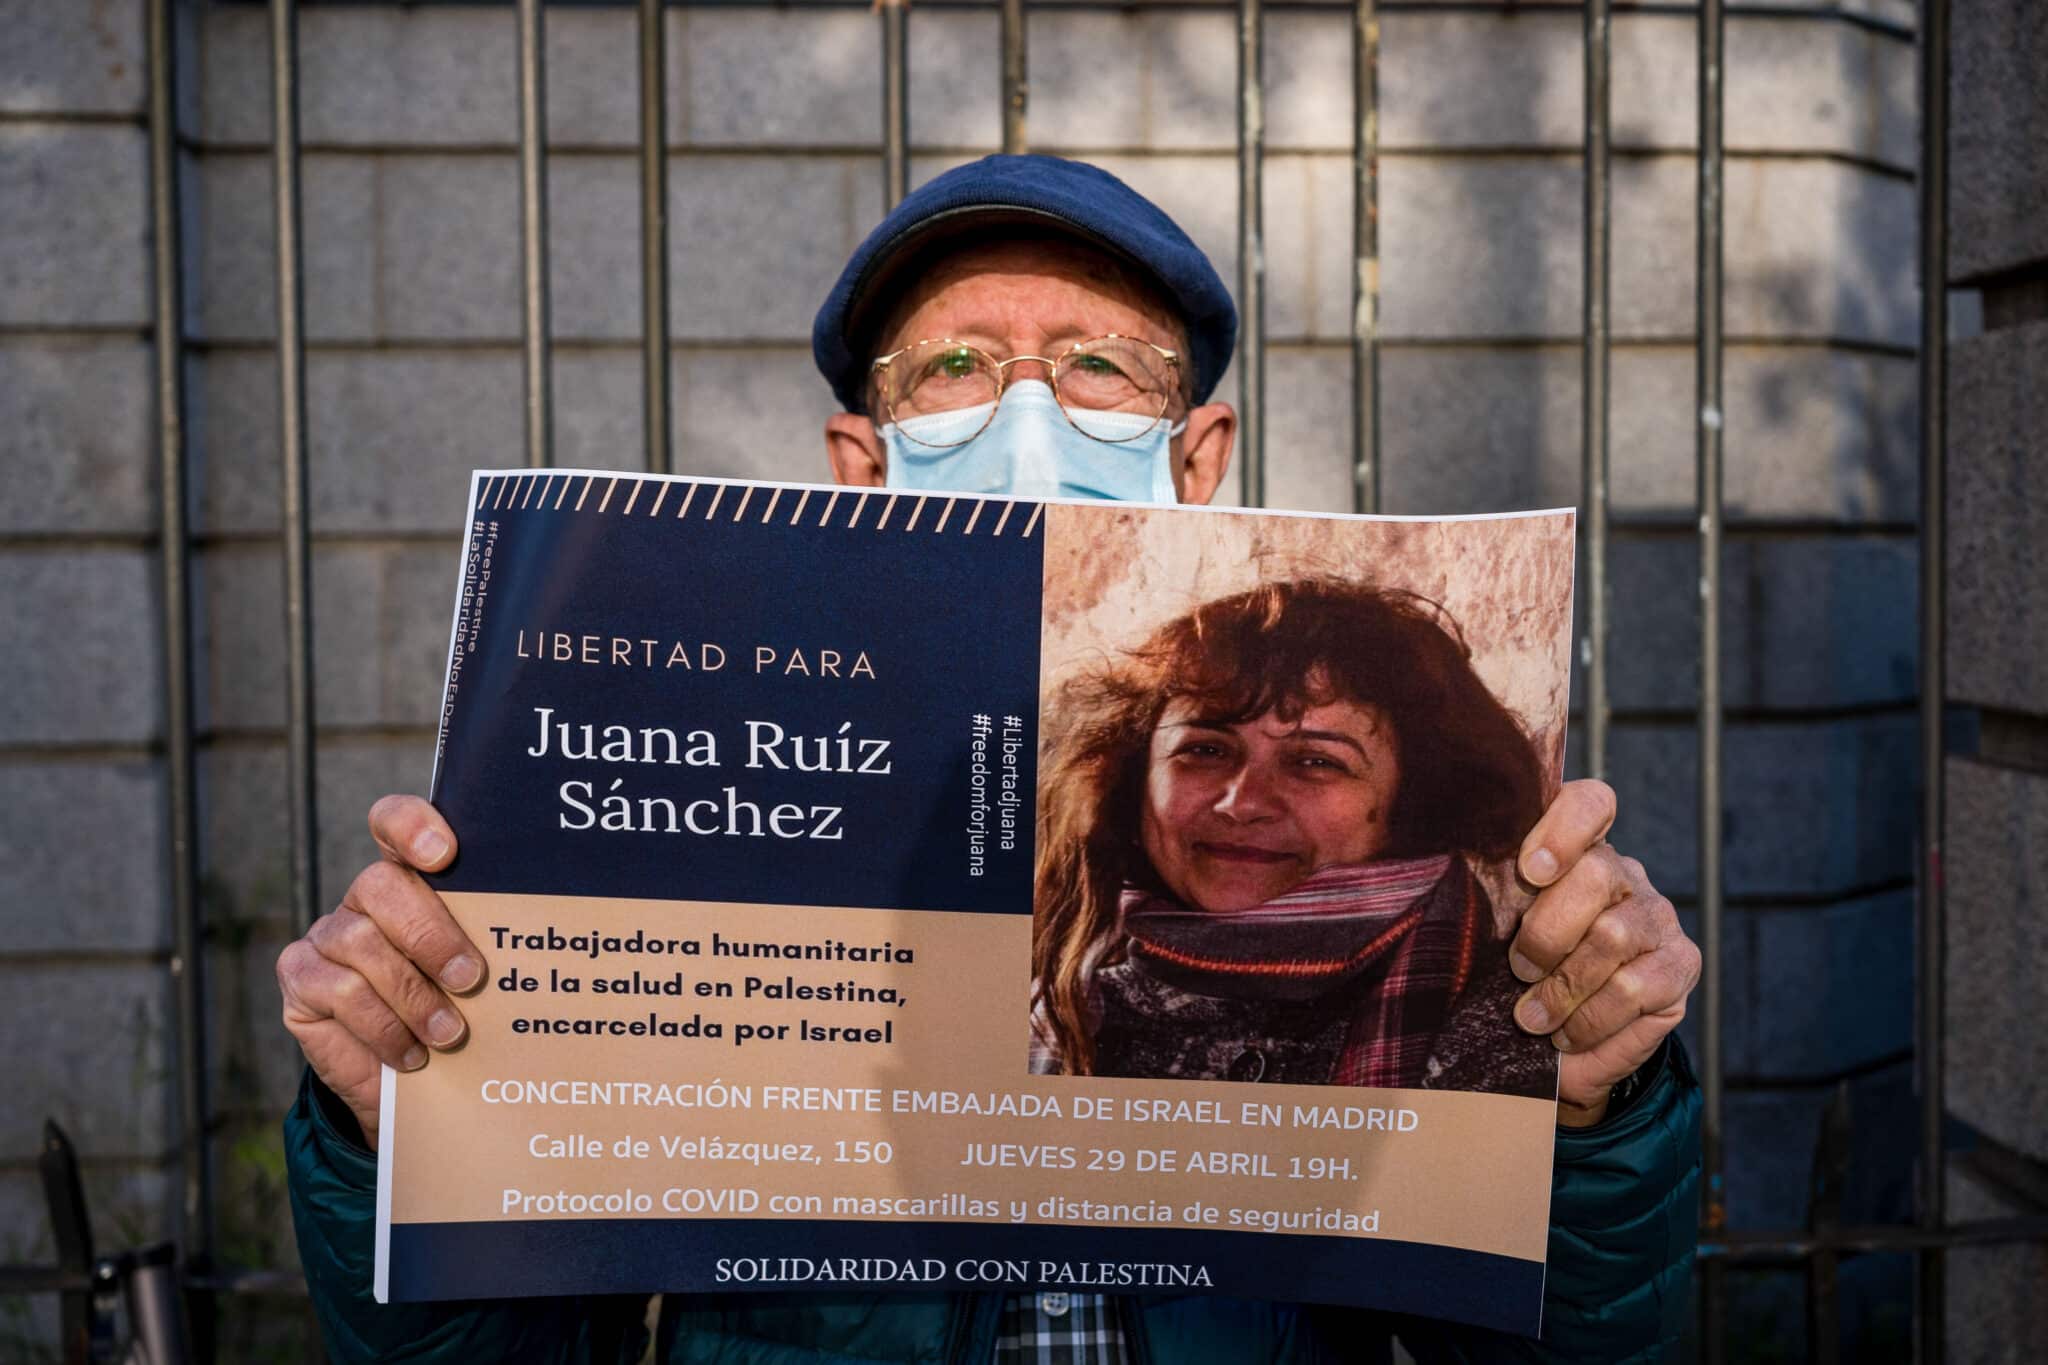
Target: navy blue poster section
[(489, 1260), (735, 704)]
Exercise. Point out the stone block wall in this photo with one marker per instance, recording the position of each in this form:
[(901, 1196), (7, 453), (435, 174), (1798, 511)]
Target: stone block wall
[(85, 1003), (1996, 841), (409, 125)]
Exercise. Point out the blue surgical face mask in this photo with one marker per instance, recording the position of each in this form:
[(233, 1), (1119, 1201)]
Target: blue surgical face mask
[(1031, 450)]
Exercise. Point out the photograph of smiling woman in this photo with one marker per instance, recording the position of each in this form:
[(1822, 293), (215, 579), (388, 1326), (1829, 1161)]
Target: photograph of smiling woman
[(1258, 829)]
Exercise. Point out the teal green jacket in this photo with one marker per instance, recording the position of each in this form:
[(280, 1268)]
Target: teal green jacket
[(1624, 1219)]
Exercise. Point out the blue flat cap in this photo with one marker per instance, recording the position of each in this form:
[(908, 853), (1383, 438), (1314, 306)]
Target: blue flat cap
[(1040, 194)]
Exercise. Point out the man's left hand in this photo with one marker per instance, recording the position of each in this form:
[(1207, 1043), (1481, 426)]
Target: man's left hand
[(1609, 965)]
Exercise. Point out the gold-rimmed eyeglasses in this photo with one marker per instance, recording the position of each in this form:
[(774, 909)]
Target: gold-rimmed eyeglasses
[(1101, 383)]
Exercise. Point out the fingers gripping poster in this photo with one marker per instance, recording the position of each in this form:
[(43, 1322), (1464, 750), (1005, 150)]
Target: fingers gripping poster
[(883, 891)]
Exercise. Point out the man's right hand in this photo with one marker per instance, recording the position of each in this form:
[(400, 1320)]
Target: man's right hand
[(370, 983)]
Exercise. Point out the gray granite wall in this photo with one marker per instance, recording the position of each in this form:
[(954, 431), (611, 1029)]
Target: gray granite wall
[(85, 1006), (409, 125), (1997, 614)]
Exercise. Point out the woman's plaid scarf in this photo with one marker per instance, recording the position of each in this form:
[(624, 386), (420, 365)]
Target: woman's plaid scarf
[(1389, 943)]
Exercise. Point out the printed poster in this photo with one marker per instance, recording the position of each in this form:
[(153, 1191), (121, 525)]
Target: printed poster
[(883, 891)]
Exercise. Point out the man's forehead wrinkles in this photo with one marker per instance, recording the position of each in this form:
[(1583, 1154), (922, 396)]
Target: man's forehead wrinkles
[(1021, 298), (1013, 295)]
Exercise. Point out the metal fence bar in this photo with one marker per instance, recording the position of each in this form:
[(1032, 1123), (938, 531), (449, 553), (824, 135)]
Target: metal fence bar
[(895, 101), (1824, 1217), (1714, 1213), (1597, 254), (1251, 251), (1016, 85), (71, 1238), (300, 758), (1930, 1309), (533, 231), (654, 237), (1365, 256), (188, 956), (1790, 1249)]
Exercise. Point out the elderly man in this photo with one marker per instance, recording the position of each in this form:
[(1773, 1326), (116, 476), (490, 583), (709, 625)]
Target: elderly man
[(972, 340)]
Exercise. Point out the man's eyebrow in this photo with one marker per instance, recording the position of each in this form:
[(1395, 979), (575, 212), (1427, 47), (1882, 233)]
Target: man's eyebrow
[(1052, 341), (1057, 338)]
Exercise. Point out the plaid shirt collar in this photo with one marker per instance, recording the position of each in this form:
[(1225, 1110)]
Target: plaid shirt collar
[(1060, 1329)]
